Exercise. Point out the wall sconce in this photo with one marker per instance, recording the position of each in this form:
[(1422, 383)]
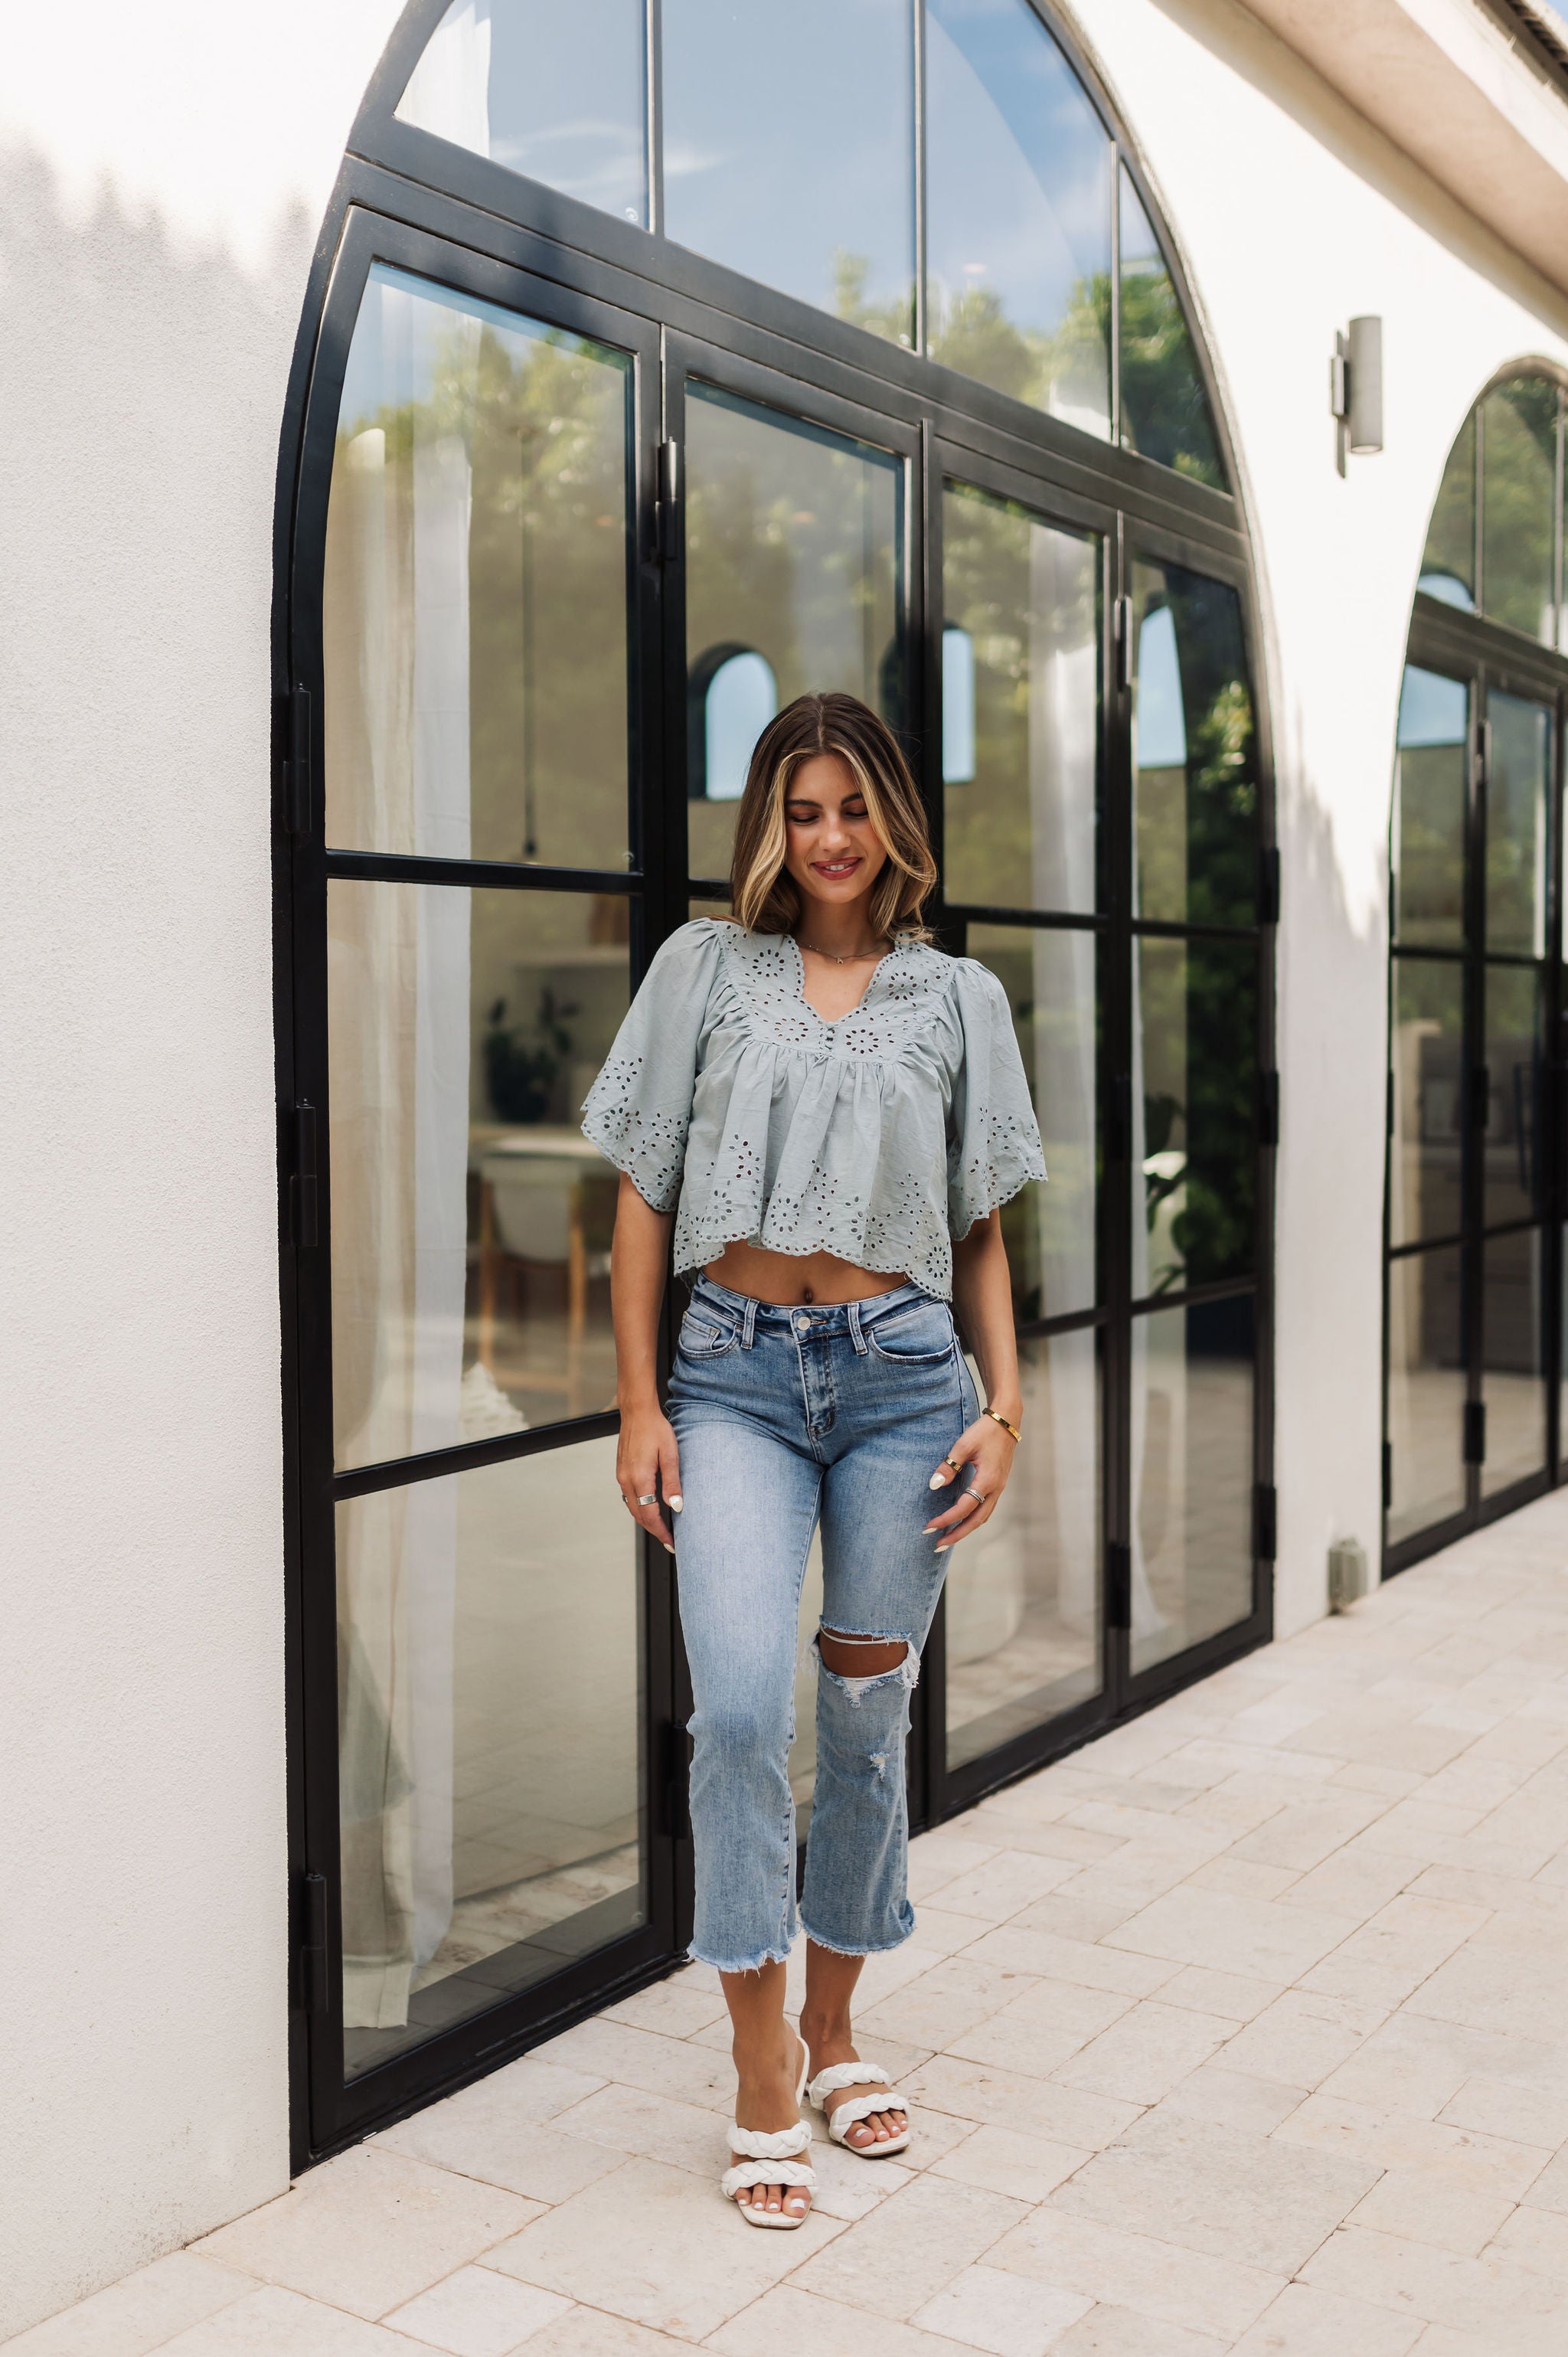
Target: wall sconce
[(1356, 390)]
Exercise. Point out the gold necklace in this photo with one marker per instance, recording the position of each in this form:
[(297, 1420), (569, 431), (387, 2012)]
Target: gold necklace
[(855, 957)]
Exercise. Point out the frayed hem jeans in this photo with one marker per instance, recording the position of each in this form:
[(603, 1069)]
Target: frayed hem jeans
[(785, 1418)]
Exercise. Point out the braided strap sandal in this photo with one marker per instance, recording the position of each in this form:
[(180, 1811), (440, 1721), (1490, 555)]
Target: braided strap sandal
[(770, 2159), (842, 2116)]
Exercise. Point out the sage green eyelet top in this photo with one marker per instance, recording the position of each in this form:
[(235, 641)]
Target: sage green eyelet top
[(881, 1137)]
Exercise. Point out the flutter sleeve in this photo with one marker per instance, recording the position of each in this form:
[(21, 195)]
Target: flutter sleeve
[(638, 1110), (993, 1139)]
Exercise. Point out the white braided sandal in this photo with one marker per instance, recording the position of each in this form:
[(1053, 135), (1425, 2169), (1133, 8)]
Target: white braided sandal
[(771, 2159), (842, 2116)]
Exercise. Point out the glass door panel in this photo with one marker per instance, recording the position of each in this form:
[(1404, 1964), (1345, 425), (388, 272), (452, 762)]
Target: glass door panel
[(1195, 780), (1518, 783), (1426, 1189), (1511, 1137), (1195, 1111), (1023, 1597), (1020, 706), (476, 593), (470, 1217), (794, 571), (489, 1742), (1426, 1390), (1511, 1370), (1050, 1229), (1193, 1373), (1432, 800)]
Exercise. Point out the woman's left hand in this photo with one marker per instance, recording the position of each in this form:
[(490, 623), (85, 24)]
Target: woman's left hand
[(990, 1452)]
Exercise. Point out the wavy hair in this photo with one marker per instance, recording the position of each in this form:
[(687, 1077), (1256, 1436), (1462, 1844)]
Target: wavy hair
[(763, 894)]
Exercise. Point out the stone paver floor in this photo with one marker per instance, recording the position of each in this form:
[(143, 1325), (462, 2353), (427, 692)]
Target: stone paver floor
[(1241, 2030)]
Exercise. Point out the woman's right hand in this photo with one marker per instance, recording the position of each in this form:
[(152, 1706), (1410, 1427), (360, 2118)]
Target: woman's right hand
[(647, 1456)]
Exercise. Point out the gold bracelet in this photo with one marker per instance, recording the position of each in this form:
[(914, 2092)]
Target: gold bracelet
[(997, 1417)]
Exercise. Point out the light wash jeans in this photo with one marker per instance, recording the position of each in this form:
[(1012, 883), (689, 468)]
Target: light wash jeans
[(786, 1417)]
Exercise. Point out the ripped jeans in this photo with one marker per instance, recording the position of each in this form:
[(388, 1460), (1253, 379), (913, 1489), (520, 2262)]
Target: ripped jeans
[(784, 1417)]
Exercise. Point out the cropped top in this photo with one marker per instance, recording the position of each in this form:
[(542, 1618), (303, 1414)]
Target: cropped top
[(881, 1137)]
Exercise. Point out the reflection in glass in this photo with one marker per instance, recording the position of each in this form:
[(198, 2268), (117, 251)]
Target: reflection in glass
[(1432, 775), (475, 602), (1426, 1391), (1023, 1597), (788, 149), (1018, 239), (1050, 1228), (1192, 1475), (1021, 826), (1165, 410), (1448, 561), (1428, 1061), (1518, 496), (1519, 777), (1511, 1151), (1194, 1111), (470, 1218), (554, 92), (1511, 1383), (488, 1710), (731, 708), (793, 553), (1194, 779)]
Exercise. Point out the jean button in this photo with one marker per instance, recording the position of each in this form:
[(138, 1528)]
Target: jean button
[(802, 1325)]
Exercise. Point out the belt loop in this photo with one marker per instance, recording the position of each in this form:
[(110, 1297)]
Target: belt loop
[(748, 1325), (855, 1335)]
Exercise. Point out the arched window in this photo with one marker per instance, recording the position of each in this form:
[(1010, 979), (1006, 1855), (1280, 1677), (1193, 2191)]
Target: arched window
[(663, 364), (1474, 1219)]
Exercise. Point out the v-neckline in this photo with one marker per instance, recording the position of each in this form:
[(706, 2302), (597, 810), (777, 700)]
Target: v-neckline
[(830, 1023)]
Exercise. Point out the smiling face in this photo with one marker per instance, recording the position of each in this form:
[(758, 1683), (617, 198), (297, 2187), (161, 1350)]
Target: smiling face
[(831, 848)]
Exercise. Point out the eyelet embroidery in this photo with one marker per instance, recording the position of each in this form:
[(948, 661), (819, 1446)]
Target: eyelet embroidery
[(727, 1093)]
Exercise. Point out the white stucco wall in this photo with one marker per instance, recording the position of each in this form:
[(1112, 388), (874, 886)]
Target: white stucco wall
[(1293, 214), (164, 171)]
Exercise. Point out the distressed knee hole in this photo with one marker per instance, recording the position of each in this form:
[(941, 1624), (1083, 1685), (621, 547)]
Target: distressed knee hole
[(860, 1657), (859, 1666)]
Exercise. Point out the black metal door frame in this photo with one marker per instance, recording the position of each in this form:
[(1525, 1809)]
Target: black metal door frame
[(553, 259), (1487, 658)]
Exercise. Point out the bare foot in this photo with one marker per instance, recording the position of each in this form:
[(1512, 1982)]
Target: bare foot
[(766, 2102), (834, 2043)]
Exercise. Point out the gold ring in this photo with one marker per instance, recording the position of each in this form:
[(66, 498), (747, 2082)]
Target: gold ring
[(954, 1462)]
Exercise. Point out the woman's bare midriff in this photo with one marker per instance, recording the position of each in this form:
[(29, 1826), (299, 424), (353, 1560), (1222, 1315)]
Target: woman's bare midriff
[(789, 1279)]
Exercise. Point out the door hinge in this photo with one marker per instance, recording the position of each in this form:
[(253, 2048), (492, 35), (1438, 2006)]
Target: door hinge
[(302, 1195), (667, 505), (1122, 635), (1387, 1476), (1265, 1521), (1268, 1108), (1475, 1432), (1269, 885), (297, 796), (1481, 764), (1118, 1585), (312, 1986)]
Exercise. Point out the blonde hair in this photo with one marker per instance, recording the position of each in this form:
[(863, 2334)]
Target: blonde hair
[(764, 895)]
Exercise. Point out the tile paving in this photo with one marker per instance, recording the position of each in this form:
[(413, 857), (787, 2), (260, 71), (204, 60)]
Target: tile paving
[(1241, 2031)]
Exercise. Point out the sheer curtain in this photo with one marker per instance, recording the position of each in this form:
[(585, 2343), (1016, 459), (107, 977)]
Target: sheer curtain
[(396, 633)]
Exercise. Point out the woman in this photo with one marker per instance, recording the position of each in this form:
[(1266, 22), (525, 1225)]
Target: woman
[(838, 1109)]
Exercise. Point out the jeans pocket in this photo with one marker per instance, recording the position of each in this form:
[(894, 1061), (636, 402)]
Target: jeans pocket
[(701, 1338), (917, 1337)]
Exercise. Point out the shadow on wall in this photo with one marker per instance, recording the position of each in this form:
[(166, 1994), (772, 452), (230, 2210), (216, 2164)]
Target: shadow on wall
[(142, 383)]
